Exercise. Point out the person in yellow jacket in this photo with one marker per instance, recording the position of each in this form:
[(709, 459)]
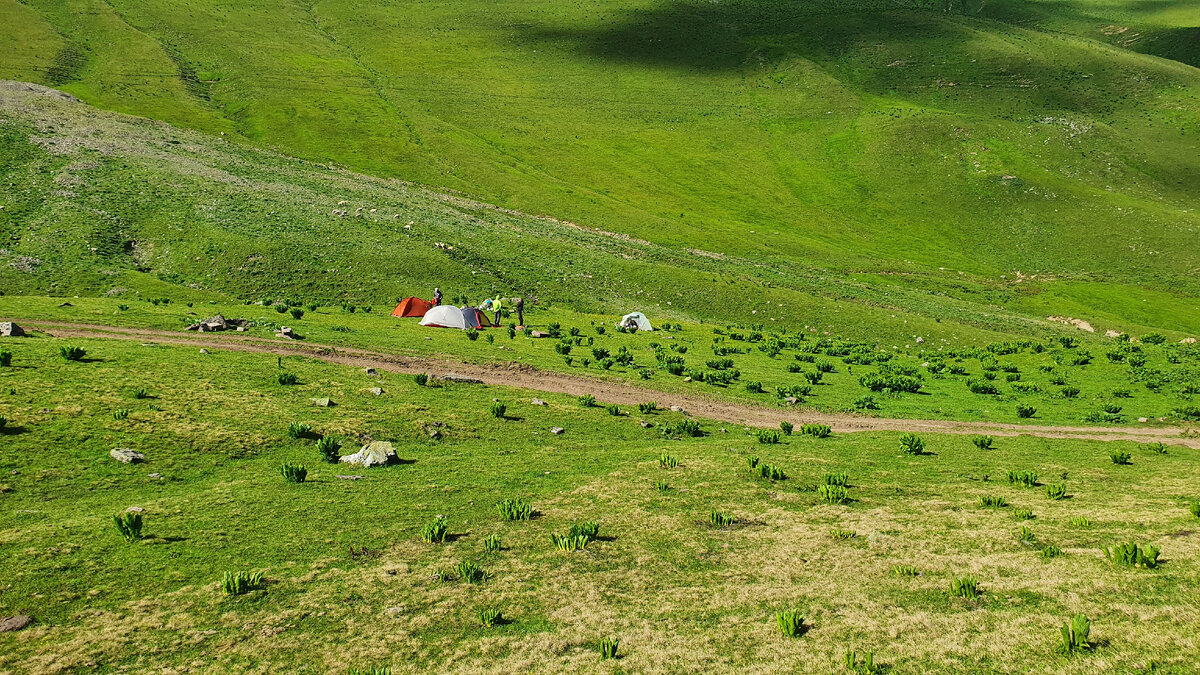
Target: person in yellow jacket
[(496, 309)]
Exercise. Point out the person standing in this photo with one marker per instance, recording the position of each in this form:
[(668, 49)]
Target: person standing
[(437, 296), (520, 305), (496, 309)]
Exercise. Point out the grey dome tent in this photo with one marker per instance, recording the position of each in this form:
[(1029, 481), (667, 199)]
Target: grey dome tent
[(638, 319)]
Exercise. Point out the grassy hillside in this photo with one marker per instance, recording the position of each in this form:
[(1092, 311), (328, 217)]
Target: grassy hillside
[(349, 583), (1028, 147)]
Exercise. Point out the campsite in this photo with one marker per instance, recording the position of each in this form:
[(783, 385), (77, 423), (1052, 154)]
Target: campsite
[(631, 336)]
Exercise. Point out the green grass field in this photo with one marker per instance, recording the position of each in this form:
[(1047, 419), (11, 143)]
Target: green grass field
[(350, 584)]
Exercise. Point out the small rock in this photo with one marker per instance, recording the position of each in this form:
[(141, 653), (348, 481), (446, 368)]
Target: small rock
[(537, 401), (135, 509), (792, 400), (378, 391), (14, 623), (645, 424), (678, 409), (10, 329), (435, 434), (495, 400), (203, 351), (126, 456), (687, 379), (556, 430), (286, 332), (341, 477), (539, 334), (323, 402), (460, 379), (155, 475), (1143, 419), (396, 611), (370, 371)]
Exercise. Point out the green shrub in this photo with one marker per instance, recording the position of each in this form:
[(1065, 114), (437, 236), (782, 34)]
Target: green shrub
[(840, 478), (120, 414), (1023, 478), (293, 473), (666, 461), (589, 530), (237, 583), (767, 436), (647, 407), (786, 427), (832, 494), (514, 509), (1056, 491), (1069, 392), (1157, 448), (587, 400), (434, 532), (568, 543), (141, 393), (472, 334), (813, 376), (1026, 536), (839, 534), (1154, 338), (662, 486), (469, 571), (912, 444), (281, 308), (5, 358), (492, 544), (1051, 551), (904, 571), (982, 442), (1023, 514), (498, 410), (613, 409), (754, 387), (965, 587), (330, 449), (299, 430), (608, 648), (1080, 521), (1194, 507), (72, 353), (982, 387), (1130, 554), (865, 402), (790, 622), (490, 617), (373, 670), (721, 519), (129, 525), (771, 472), (3, 422), (285, 378), (1120, 457), (296, 313), (866, 666), (1026, 411), (1074, 635), (421, 379), (991, 502), (683, 429), (816, 430)]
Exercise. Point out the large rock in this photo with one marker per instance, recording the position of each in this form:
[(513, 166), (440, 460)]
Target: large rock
[(376, 453), (218, 323), (14, 623), (323, 402), (10, 329), (460, 379), (126, 455)]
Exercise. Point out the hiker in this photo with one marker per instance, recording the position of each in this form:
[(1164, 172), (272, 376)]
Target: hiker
[(520, 305), (437, 296), (496, 308)]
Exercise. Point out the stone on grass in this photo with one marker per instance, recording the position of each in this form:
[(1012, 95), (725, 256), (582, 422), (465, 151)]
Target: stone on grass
[(678, 409), (126, 455), (323, 402), (10, 329), (370, 371), (135, 509), (645, 424), (378, 391), (460, 379), (203, 351), (341, 477), (11, 624), (537, 401), (556, 430), (375, 453)]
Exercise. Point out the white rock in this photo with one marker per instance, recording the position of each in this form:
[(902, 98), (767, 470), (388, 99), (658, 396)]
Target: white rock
[(126, 455)]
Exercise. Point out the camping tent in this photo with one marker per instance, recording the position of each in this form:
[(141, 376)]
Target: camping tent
[(640, 319), (411, 307), (449, 316), (445, 316)]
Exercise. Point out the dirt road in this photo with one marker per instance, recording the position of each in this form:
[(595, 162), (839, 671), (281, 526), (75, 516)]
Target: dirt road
[(605, 390)]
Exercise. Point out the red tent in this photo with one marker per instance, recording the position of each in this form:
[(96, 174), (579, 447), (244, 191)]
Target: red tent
[(412, 307)]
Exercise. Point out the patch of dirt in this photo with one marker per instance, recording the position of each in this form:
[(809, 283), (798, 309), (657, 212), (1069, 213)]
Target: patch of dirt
[(523, 376)]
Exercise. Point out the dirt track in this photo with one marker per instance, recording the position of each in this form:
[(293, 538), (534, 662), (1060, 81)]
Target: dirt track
[(605, 390)]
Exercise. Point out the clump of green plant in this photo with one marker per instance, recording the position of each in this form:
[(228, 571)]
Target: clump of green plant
[(286, 378), (752, 462), (141, 393), (469, 571), (1023, 514), (1157, 448), (1026, 535), (489, 617), (373, 670), (514, 509), (838, 534), (786, 427), (120, 414), (299, 430), (492, 544), (683, 429), (965, 587), (1056, 491), (866, 665), (421, 379), (1026, 411), (865, 402), (991, 502), (613, 410), (1023, 478), (296, 313), (5, 358), (1074, 635), (293, 473), (72, 353), (912, 444), (587, 400), (721, 519), (982, 442), (608, 648), (767, 436), (662, 486), (3, 422), (330, 448), (904, 571), (1130, 554), (237, 583), (434, 532), (1194, 507), (1120, 457), (472, 334), (790, 622), (498, 410), (129, 525), (771, 472), (1051, 551), (568, 543), (1069, 391), (832, 494), (840, 478), (648, 407), (816, 430), (666, 461), (589, 530)]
